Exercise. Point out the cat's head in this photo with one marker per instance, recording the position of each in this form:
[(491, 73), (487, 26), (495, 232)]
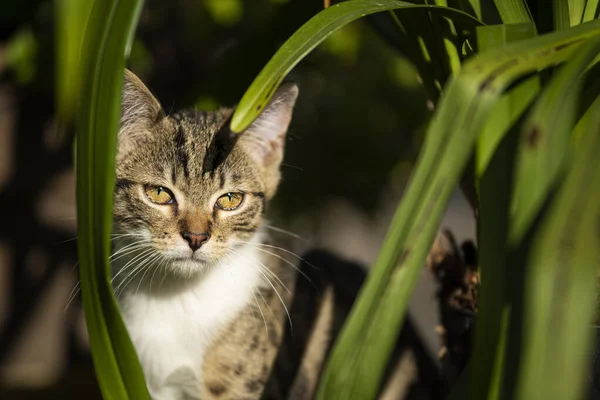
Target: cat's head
[(187, 187)]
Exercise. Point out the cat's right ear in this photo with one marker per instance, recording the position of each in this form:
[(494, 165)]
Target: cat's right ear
[(138, 105), (140, 111)]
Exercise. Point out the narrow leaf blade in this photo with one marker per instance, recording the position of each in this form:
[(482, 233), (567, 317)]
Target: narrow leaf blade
[(560, 285), (107, 37), (360, 353), (591, 9), (546, 134), (306, 39), (560, 11), (513, 11), (494, 168)]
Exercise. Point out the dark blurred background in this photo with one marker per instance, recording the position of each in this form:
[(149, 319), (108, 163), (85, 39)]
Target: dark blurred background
[(355, 135)]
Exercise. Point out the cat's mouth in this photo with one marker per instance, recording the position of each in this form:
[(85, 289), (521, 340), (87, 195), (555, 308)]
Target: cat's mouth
[(195, 257)]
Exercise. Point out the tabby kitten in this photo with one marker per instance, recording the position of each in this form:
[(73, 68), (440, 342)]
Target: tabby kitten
[(215, 310), (191, 260)]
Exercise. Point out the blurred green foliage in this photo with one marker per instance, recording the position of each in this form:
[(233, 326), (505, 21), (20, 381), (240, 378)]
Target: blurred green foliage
[(20, 55), (367, 96)]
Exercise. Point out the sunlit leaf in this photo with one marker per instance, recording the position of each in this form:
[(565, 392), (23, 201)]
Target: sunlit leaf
[(545, 137), (108, 38), (20, 55), (561, 276), (360, 354), (512, 105), (513, 11), (591, 9), (576, 9), (494, 169), (560, 13), (71, 21), (309, 36)]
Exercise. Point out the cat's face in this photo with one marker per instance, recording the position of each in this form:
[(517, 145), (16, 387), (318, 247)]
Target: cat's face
[(187, 188)]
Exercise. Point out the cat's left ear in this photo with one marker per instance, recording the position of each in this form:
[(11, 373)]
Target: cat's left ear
[(265, 138)]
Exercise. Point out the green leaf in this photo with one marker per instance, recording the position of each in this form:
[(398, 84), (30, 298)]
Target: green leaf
[(418, 34), (591, 8), (108, 37), (562, 89), (494, 168), (309, 36), (513, 11), (545, 137), (560, 280), (512, 105), (476, 5), (71, 20), (576, 9), (505, 115), (560, 13), (20, 55), (360, 354)]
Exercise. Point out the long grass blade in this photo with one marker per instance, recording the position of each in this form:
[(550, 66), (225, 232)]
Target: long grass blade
[(476, 5), (513, 11), (576, 9), (545, 136), (560, 284), (108, 36), (71, 17), (360, 354), (309, 36), (591, 10), (512, 105), (560, 14), (562, 92), (494, 168)]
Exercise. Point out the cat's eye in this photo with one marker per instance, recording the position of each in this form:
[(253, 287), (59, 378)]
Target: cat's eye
[(159, 194), (230, 201)]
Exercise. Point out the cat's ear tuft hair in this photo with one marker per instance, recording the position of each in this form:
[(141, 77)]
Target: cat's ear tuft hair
[(140, 111), (138, 106), (265, 138)]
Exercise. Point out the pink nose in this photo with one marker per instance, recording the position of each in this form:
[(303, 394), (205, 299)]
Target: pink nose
[(195, 240)]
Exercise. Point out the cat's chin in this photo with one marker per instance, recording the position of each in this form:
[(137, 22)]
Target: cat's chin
[(189, 266)]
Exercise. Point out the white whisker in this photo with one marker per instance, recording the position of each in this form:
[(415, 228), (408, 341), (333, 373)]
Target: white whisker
[(161, 259), (263, 267), (73, 294), (261, 313), (128, 250), (278, 248), (281, 300), (135, 270), (279, 230), (149, 264), (291, 264), (142, 253)]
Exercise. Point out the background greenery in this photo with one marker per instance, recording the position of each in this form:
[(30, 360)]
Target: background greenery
[(518, 134)]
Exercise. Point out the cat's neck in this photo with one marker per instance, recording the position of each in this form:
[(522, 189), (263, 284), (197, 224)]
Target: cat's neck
[(175, 321)]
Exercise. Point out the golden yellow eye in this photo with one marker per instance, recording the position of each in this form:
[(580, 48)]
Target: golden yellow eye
[(159, 194), (230, 201)]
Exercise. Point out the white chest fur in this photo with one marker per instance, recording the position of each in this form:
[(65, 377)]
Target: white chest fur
[(171, 328)]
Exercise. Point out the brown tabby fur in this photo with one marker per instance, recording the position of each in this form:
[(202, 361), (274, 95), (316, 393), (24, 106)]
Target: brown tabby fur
[(259, 354)]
